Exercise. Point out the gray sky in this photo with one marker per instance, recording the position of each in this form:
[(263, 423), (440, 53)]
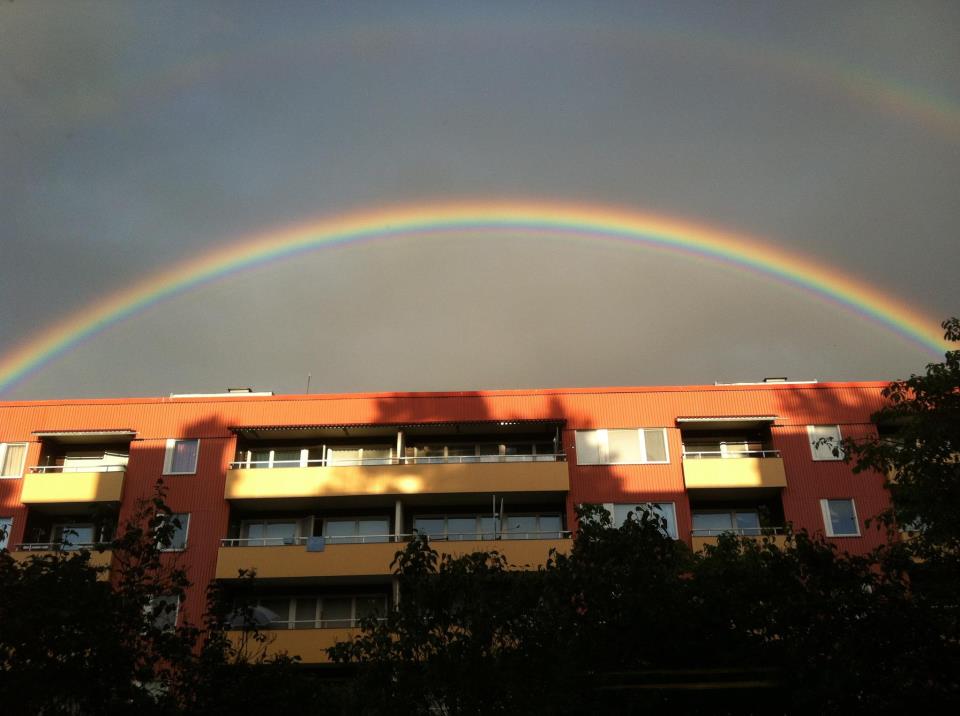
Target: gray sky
[(137, 135)]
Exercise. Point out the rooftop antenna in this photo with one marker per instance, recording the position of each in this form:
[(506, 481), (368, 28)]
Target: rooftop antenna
[(309, 376)]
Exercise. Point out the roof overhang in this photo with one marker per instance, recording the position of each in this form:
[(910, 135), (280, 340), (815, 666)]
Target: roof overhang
[(727, 422), (478, 427), (86, 437)]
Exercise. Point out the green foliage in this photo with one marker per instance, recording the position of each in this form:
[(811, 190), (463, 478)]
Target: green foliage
[(922, 455), (631, 621), (73, 642)]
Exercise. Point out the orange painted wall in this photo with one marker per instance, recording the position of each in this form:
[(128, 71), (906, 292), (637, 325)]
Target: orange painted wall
[(210, 419)]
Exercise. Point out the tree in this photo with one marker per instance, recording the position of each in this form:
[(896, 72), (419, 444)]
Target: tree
[(631, 621), (919, 451), (74, 642)]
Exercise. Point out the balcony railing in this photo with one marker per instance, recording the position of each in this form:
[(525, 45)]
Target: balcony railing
[(423, 460), (315, 624), (712, 454), (739, 531), (45, 469), (60, 546), (381, 539)]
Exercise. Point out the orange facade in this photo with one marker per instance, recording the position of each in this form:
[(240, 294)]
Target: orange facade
[(754, 438)]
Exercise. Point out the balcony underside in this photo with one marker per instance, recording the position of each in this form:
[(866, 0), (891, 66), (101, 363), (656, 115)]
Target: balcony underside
[(746, 472), (396, 480), (97, 559), (347, 562), (72, 487)]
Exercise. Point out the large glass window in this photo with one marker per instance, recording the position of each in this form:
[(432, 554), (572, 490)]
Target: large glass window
[(320, 612), (665, 510), (715, 522), (634, 446), (74, 535), (368, 455), (457, 527), (357, 530), (481, 527), (481, 452), (840, 518), (181, 457), (12, 458), (262, 533)]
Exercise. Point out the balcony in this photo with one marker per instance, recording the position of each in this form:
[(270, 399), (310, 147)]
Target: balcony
[(63, 485), (41, 549), (372, 557), (309, 644), (747, 469), (398, 476), (701, 538)]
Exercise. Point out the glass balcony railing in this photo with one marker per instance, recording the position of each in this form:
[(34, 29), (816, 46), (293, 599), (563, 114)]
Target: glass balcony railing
[(381, 539), (739, 531), (727, 454), (419, 460), (93, 467)]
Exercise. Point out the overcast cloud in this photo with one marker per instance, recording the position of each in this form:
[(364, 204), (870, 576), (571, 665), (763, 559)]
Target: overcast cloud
[(136, 135)]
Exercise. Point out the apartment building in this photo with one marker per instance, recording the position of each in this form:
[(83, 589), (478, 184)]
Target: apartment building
[(318, 492)]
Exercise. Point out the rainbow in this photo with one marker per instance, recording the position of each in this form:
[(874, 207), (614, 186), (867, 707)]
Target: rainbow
[(561, 221), (830, 76)]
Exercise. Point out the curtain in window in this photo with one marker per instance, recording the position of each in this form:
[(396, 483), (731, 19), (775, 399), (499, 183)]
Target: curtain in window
[(184, 457), (13, 461)]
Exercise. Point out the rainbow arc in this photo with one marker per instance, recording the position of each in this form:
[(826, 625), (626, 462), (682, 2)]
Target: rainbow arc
[(580, 222)]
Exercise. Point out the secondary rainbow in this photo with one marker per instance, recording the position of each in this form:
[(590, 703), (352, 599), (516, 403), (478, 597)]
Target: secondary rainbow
[(562, 221)]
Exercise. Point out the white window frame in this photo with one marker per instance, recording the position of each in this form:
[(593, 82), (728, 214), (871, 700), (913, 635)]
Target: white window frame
[(813, 451), (673, 533), (169, 452), (3, 459), (186, 532), (6, 528), (604, 457), (828, 523)]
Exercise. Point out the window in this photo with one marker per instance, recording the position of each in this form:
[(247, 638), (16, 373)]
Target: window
[(824, 439), (532, 526), (840, 518), (481, 452), (622, 447), (263, 533), (163, 612), (709, 523), (74, 535), (181, 457), (12, 457), (326, 612), (665, 510), (6, 524), (367, 455), (177, 540), (457, 527), (357, 531)]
